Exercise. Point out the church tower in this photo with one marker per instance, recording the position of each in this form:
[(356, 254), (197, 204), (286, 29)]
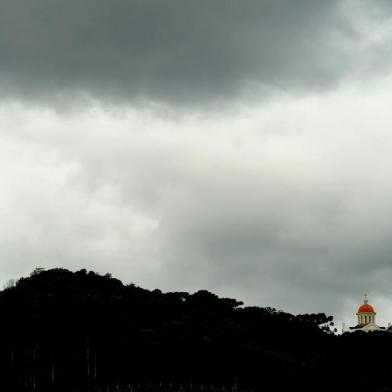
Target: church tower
[(366, 320), (366, 314)]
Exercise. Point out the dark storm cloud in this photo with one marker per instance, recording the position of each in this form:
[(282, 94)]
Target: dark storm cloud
[(282, 203), (174, 50)]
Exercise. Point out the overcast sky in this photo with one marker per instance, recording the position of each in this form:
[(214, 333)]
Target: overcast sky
[(239, 146)]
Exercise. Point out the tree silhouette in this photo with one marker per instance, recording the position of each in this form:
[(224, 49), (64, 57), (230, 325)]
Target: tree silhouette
[(81, 331)]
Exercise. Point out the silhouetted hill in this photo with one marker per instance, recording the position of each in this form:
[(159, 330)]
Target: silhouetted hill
[(71, 331)]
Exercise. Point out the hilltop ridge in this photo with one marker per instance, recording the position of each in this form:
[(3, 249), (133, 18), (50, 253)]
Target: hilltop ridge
[(68, 331)]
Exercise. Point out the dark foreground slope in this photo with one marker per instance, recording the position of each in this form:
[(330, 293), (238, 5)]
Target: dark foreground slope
[(65, 331)]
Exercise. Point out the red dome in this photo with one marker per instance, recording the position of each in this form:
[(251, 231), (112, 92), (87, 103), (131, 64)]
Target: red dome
[(366, 308)]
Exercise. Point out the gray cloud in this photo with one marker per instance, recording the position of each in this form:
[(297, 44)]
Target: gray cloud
[(172, 51), (284, 203), (245, 205)]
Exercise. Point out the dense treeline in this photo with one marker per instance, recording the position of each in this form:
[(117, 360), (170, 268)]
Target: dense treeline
[(80, 331)]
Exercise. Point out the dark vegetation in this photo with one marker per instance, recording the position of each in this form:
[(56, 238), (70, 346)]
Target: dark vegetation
[(80, 331)]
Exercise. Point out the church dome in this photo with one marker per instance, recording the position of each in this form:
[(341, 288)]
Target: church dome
[(366, 308)]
